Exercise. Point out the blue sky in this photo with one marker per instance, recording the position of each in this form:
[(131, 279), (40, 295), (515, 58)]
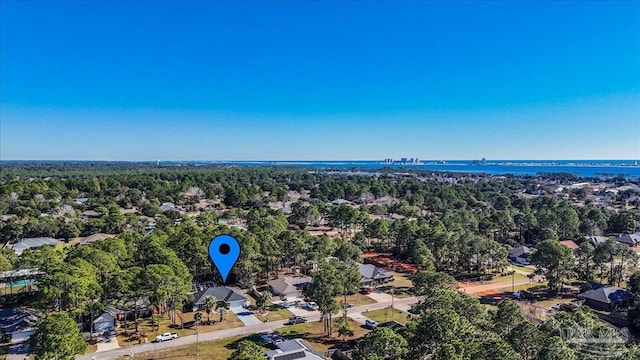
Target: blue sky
[(267, 80)]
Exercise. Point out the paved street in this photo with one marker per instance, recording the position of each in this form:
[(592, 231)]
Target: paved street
[(222, 334), (357, 313)]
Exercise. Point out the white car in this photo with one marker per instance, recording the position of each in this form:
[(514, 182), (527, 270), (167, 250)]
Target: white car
[(370, 324), (311, 306), (166, 336)]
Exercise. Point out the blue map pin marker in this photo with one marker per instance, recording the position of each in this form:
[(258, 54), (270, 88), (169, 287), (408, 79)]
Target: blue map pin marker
[(224, 251)]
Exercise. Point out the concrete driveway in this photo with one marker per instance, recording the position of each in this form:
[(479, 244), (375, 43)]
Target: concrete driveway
[(245, 316), (380, 297), (297, 310), (107, 345)]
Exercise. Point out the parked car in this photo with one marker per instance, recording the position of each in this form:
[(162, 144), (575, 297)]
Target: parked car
[(557, 306), (370, 324), (311, 306), (366, 290), (276, 339), (109, 333), (166, 336), (296, 320), (265, 337)]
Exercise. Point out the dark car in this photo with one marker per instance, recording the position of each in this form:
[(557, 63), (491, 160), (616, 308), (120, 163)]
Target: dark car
[(109, 333), (296, 320)]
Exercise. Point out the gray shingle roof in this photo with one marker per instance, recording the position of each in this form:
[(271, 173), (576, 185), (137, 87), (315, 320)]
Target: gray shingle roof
[(519, 251), (221, 293), (632, 239), (33, 243), (373, 272), (289, 284), (607, 294), (14, 320)]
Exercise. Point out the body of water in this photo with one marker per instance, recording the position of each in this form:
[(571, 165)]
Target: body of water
[(582, 168)]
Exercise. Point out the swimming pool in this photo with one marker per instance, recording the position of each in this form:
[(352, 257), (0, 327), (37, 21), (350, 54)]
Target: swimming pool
[(20, 283)]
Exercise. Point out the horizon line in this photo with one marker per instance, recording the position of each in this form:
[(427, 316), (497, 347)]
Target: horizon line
[(306, 160)]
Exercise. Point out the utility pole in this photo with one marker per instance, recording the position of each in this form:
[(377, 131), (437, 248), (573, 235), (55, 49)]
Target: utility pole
[(197, 317), (513, 281), (393, 290)]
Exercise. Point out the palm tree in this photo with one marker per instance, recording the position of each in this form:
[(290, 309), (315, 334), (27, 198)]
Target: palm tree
[(262, 300), (210, 303), (222, 311)]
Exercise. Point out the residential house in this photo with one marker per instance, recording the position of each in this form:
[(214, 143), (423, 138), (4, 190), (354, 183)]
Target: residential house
[(570, 244), (290, 286), (95, 237), (230, 297), (17, 323), (293, 349), (90, 214), (595, 240), (81, 200), (103, 322), (372, 274), (393, 325), (629, 239), (520, 255), (33, 243), (168, 207), (606, 297)]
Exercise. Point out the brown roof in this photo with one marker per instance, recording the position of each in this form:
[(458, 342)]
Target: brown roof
[(570, 244)]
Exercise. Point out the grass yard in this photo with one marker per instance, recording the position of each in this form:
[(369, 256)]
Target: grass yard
[(505, 278), (144, 327), (312, 333), (534, 286), (401, 280), (522, 268), (388, 314), (214, 350), (222, 349), (356, 300), (274, 312)]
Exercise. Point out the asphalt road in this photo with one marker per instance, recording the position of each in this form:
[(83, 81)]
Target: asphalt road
[(222, 334), (358, 311)]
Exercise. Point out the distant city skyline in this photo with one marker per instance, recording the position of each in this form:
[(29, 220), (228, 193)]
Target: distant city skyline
[(286, 80)]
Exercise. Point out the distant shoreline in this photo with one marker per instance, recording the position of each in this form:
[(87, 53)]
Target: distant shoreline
[(580, 168)]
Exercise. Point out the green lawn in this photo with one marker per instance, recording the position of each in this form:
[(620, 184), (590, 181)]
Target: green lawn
[(498, 279), (534, 286), (522, 268), (388, 314), (274, 312), (222, 349), (214, 350), (144, 327), (312, 332), (401, 280), (356, 300)]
